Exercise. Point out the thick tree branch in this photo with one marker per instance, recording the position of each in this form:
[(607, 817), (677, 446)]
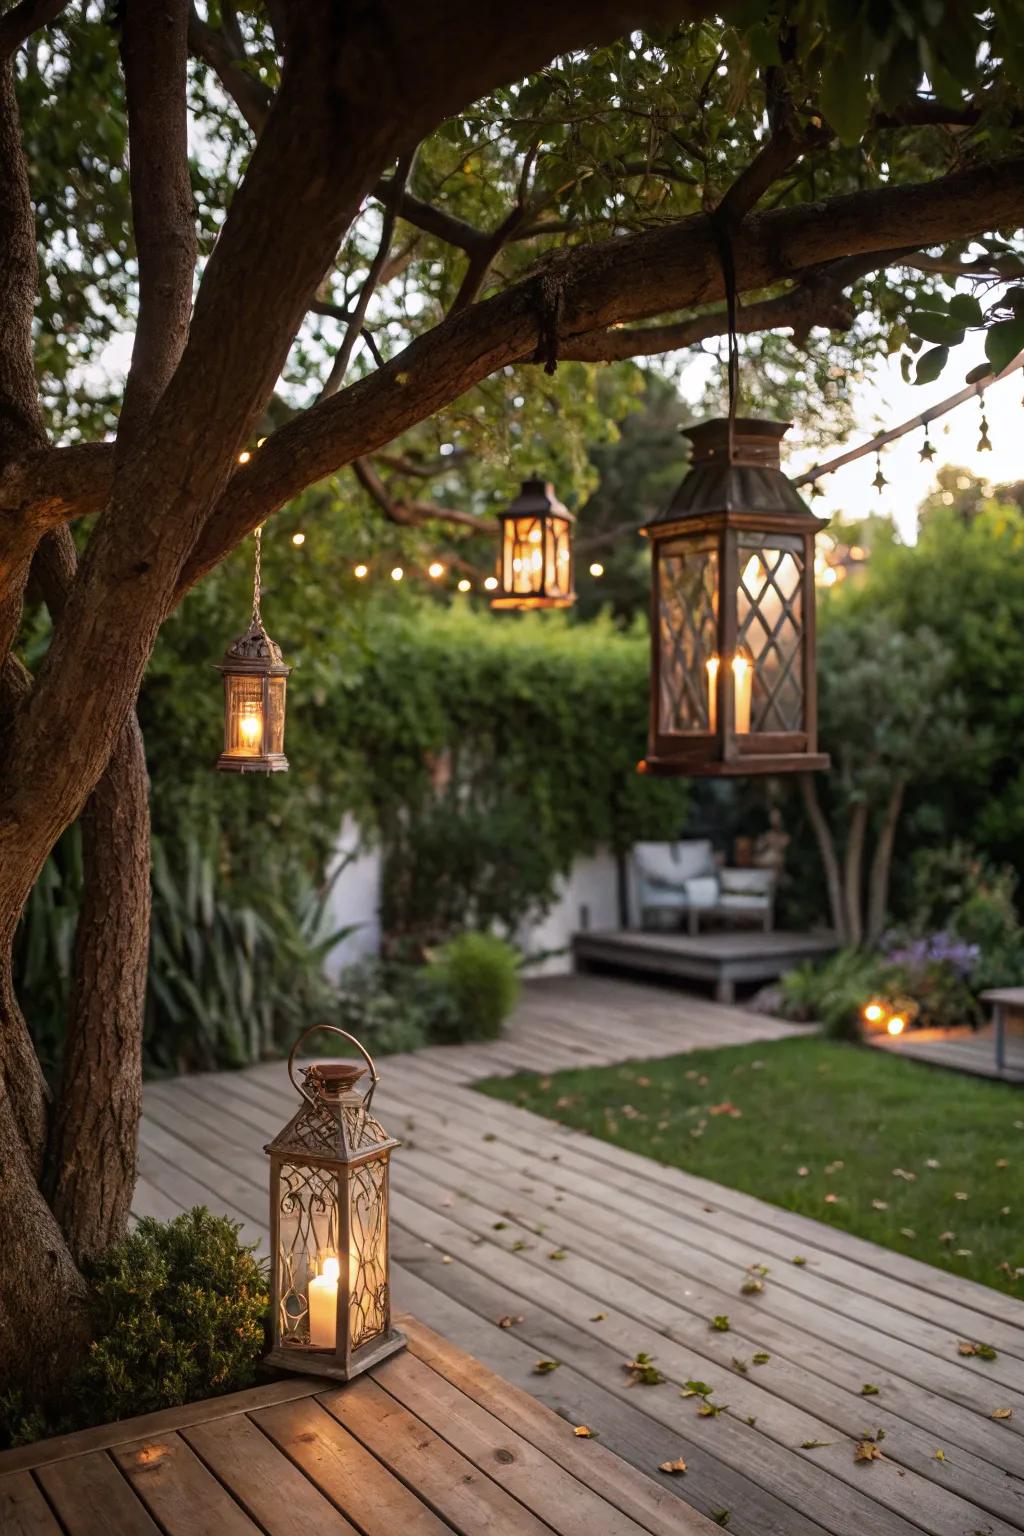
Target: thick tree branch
[(250, 96), (18, 24), (399, 509), (154, 51), (628, 279), (433, 221)]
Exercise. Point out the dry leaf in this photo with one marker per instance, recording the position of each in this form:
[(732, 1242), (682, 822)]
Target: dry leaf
[(1002, 1162), (939, 1456), (907, 1232), (932, 1162), (868, 1390), (719, 1324), (814, 1445), (557, 1253), (583, 1431), (739, 1365), (798, 1259), (709, 1410), (542, 1367), (679, 1465), (947, 1237), (880, 1205), (831, 1199), (509, 1321), (446, 1258), (802, 1173), (1002, 1413), (867, 1450), (643, 1371), (761, 1357), (499, 1226), (961, 1194), (836, 1167)]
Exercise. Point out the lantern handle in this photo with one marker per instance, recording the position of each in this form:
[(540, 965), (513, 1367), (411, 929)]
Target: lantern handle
[(332, 1029)]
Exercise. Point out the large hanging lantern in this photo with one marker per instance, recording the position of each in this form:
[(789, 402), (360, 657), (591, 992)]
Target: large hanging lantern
[(330, 1283), (255, 680), (535, 568), (733, 687)]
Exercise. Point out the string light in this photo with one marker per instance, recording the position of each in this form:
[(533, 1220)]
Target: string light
[(435, 570), (397, 573), (597, 569), (490, 582), (298, 538), (244, 456), (464, 585), (360, 571)]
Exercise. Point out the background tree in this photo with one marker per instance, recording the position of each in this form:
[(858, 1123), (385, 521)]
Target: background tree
[(393, 215)]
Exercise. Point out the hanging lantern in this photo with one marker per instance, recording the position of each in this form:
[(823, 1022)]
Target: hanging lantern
[(733, 688), (535, 551), (255, 679), (330, 1288)]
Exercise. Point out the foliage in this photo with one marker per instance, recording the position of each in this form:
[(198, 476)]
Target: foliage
[(833, 992), (385, 1007), (178, 1310), (976, 899), (872, 1143), (479, 975)]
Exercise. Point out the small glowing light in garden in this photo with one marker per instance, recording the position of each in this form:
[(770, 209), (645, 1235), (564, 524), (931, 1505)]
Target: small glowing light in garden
[(897, 1024), (435, 570), (874, 1013), (298, 538), (255, 680), (330, 1270), (490, 582), (534, 551), (360, 571), (397, 573), (464, 585), (596, 568), (733, 565), (244, 456)]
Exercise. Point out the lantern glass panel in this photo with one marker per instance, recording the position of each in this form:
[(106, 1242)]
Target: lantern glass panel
[(368, 1250), (307, 1237), (276, 687), (559, 573), (523, 556), (688, 580), (243, 714), (770, 627)]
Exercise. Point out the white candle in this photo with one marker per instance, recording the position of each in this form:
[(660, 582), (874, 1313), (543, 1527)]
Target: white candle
[(743, 682), (250, 727), (712, 669), (323, 1306)]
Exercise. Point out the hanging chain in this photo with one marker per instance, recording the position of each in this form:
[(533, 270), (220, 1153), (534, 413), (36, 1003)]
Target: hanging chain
[(723, 237), (257, 617)]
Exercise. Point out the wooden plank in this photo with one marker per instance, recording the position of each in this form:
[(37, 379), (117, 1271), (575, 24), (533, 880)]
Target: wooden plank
[(181, 1495), (103, 1436), (93, 1499), (23, 1510), (150, 1201), (260, 1478), (468, 1498), (377, 1502), (567, 1499)]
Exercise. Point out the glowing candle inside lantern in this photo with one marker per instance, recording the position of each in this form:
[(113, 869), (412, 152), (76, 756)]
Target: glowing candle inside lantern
[(743, 682), (250, 727), (323, 1305), (712, 667)]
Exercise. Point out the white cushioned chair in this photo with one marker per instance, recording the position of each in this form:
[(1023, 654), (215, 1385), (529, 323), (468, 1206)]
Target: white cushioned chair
[(671, 880)]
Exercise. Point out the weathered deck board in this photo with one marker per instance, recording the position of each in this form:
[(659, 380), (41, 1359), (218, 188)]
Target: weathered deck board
[(657, 1252), (959, 1050)]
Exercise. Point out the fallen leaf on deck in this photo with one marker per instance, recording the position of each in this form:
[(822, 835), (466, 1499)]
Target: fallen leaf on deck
[(584, 1432), (939, 1456), (982, 1351), (719, 1324), (753, 1285), (643, 1371), (798, 1259), (489, 1136), (868, 1390), (709, 1410), (679, 1465), (518, 1245), (751, 1419), (1002, 1413), (508, 1321), (499, 1226), (867, 1450), (761, 1357), (721, 1517), (696, 1389), (814, 1445), (446, 1258), (557, 1253), (739, 1365), (542, 1367), (599, 1317)]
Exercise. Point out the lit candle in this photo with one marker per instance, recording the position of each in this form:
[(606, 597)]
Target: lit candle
[(743, 682), (712, 666), (250, 727), (323, 1305)]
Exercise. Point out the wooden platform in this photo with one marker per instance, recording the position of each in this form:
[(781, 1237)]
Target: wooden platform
[(522, 1241), (959, 1050), (721, 959), (429, 1442)]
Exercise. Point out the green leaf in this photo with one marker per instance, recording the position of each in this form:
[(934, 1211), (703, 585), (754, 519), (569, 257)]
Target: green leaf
[(844, 97), (933, 326), (930, 364), (1003, 341), (965, 308)]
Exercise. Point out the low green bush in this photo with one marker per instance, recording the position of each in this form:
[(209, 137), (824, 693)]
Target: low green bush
[(478, 974), (834, 992), (178, 1313)]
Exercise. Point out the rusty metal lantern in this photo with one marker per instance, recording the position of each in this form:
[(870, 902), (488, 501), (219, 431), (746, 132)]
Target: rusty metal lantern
[(733, 686), (535, 565), (255, 681), (330, 1269)]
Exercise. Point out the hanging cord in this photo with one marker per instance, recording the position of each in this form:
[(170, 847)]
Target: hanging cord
[(257, 617), (723, 239)]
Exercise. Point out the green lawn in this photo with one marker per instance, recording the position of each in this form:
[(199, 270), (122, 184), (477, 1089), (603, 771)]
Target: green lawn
[(924, 1161)]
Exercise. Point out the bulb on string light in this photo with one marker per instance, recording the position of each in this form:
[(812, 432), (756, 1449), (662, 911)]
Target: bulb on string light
[(435, 570), (464, 585), (490, 582), (879, 482), (596, 568), (244, 456), (397, 573), (298, 538), (360, 571)]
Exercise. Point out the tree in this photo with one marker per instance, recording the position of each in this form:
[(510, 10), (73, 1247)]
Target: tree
[(428, 203), (889, 718)]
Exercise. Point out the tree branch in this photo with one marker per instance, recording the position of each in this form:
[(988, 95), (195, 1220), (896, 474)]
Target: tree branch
[(18, 24), (250, 96), (412, 513), (433, 221)]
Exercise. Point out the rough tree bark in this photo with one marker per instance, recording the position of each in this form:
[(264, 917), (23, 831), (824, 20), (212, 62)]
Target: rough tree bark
[(881, 863), (853, 873), (827, 853)]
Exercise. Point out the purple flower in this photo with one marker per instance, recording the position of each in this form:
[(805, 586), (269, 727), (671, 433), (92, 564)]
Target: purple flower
[(937, 948)]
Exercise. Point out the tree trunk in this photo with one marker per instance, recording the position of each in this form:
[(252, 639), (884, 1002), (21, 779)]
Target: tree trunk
[(91, 1173), (881, 864), (854, 873), (827, 853)]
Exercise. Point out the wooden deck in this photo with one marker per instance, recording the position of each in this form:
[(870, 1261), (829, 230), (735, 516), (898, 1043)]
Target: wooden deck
[(427, 1444), (520, 1240), (959, 1050), (723, 960)]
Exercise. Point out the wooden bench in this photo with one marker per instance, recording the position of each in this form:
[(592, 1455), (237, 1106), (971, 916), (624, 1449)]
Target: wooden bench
[(1003, 1000), (428, 1442)]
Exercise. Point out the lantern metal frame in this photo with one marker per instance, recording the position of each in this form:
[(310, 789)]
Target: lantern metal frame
[(255, 675), (735, 504), (535, 525), (330, 1165)]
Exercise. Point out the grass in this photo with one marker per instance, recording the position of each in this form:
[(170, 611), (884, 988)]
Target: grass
[(919, 1160)]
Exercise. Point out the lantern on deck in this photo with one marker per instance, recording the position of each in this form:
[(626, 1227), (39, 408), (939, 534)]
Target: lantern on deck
[(255, 680), (535, 567), (733, 687), (330, 1285)]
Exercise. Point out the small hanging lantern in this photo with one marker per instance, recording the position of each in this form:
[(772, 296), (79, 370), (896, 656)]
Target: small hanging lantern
[(330, 1282), (733, 687), (535, 563), (255, 679)]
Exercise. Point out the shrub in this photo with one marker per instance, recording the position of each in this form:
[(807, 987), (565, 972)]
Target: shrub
[(179, 1311), (384, 1007), (479, 975), (834, 992)]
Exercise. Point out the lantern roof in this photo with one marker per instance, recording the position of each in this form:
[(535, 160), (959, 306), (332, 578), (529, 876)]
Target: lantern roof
[(332, 1124), (737, 471), (254, 651), (537, 499)]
